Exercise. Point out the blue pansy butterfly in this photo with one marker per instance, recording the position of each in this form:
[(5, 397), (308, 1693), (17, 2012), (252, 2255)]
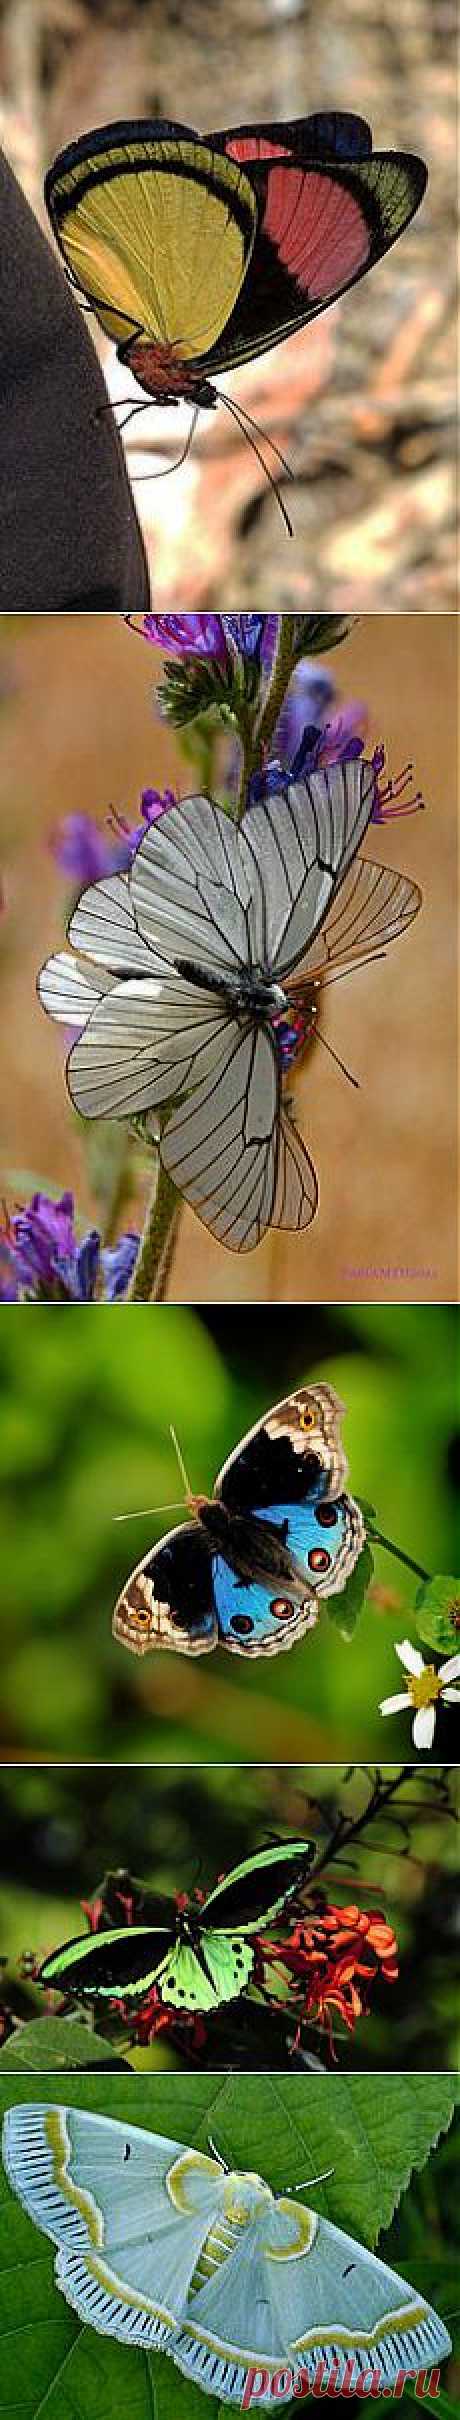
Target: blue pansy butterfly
[(278, 1534)]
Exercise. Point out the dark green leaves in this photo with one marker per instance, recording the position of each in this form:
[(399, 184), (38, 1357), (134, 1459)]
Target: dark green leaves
[(197, 685), (437, 1613), (316, 633), (344, 1610), (52, 2045)]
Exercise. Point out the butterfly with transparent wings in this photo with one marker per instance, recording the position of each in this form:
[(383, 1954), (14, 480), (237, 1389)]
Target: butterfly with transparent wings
[(185, 1000)]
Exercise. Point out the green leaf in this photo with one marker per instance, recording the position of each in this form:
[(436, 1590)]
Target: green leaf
[(316, 633), (195, 685), (50, 2044), (437, 1610), (345, 1609), (445, 2408), (373, 2131)]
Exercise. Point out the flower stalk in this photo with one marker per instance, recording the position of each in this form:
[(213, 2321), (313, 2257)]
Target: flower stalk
[(159, 1232), (377, 1538), (257, 730), (283, 668)]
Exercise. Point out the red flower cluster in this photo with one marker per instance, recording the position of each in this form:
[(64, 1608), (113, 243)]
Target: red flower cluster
[(327, 1965), (153, 2018)]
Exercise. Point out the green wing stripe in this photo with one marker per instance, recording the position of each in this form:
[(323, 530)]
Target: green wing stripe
[(78, 1962), (245, 1900)]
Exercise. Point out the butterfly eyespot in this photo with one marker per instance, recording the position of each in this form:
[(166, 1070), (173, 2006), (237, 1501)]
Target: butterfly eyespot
[(307, 1419), (318, 1559), (281, 1608), (241, 1622), (327, 1516)]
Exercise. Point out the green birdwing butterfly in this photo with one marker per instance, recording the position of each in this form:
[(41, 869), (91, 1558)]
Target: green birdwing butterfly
[(245, 2288), (197, 1956)]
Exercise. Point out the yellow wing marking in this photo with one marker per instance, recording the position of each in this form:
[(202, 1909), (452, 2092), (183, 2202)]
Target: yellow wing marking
[(163, 250), (60, 2147)]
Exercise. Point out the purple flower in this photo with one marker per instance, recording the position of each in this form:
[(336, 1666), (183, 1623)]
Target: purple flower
[(153, 803), (183, 633), (309, 694), (389, 796), (118, 1263), (342, 736), (306, 741), (253, 634), (41, 1259), (336, 744), (86, 851)]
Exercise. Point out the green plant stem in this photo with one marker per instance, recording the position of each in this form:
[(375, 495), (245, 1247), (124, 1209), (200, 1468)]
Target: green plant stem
[(249, 765), (379, 1540), (117, 1193), (255, 736), (156, 1241), (282, 671)]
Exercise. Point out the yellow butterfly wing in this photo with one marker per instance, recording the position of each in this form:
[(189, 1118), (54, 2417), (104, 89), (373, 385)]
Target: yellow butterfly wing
[(157, 230)]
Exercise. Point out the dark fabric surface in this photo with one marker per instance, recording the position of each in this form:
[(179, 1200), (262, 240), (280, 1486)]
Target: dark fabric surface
[(69, 535)]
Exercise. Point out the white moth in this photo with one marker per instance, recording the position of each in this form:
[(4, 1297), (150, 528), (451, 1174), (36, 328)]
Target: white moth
[(165, 2247), (186, 986)]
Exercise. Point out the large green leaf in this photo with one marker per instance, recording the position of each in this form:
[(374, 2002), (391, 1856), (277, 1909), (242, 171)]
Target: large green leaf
[(373, 2131), (50, 2044)]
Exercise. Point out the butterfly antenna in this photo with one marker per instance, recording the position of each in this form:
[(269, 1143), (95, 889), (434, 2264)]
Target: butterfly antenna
[(260, 432), (218, 2156), (180, 1458), (247, 426), (333, 1054), (140, 476), (147, 1510), (308, 2180)]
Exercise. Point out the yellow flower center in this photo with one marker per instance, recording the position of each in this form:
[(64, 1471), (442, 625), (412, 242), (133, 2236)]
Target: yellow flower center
[(424, 1687)]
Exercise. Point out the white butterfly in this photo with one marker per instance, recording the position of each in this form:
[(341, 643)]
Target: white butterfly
[(165, 2247), (189, 959)]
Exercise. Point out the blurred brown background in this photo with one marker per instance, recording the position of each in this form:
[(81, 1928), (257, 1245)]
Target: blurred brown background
[(79, 732), (363, 401)]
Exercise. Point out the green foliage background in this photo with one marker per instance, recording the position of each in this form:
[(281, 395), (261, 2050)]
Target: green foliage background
[(87, 1399), (60, 1830), (376, 2133)]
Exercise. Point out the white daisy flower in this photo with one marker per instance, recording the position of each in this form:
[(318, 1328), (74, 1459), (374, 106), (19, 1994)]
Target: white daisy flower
[(183, 1002), (424, 1687)]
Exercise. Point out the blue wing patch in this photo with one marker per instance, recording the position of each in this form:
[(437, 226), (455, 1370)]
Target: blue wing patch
[(250, 1618)]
